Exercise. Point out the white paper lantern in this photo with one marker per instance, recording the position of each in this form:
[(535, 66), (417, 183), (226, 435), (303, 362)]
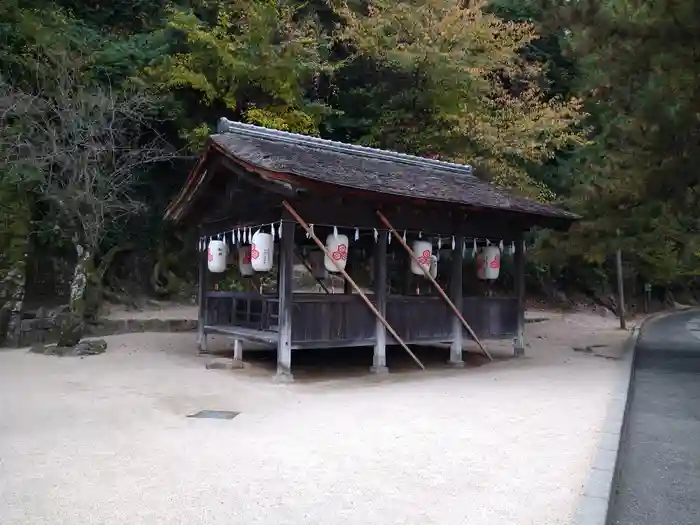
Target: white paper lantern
[(318, 270), (433, 266), (422, 256), (488, 263), (337, 246), (244, 265), (261, 251), (216, 256)]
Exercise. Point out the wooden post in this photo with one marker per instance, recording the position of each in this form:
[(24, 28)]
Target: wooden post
[(456, 293), (519, 259), (285, 290), (380, 295), (237, 361), (442, 293), (620, 287), (238, 349), (347, 287), (358, 290), (202, 302)]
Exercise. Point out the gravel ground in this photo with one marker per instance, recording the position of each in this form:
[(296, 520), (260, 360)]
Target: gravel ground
[(104, 440)]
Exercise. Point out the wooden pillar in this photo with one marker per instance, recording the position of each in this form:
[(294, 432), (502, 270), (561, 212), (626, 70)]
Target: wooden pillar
[(620, 288), (202, 303), (456, 297), (519, 259), (381, 286), (285, 289), (347, 287)]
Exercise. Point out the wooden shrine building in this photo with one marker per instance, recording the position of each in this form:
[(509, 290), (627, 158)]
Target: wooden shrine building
[(303, 191)]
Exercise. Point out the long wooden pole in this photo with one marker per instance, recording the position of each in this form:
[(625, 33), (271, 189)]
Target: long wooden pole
[(426, 272), (620, 286), (349, 279)]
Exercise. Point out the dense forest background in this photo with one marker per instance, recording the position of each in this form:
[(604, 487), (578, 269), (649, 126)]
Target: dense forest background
[(104, 106)]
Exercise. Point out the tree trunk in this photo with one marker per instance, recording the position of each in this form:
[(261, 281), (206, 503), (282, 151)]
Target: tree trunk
[(15, 219), (73, 326), (12, 289)]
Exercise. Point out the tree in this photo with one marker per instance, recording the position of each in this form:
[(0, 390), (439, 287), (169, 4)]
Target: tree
[(638, 73), (466, 92), (85, 146), (15, 225), (249, 59)]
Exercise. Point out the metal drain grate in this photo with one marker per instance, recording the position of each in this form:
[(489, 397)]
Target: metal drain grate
[(215, 414)]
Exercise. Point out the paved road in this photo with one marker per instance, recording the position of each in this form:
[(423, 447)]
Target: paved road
[(659, 480)]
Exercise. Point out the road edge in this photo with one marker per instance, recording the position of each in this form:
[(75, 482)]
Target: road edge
[(598, 491)]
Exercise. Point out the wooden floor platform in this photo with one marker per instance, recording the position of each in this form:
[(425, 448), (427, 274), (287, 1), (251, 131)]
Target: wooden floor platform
[(267, 337)]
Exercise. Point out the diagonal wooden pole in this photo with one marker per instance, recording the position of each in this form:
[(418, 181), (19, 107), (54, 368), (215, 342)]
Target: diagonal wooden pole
[(379, 316), (306, 264), (426, 272)]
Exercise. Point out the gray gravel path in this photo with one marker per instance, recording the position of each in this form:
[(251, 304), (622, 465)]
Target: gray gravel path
[(659, 481), (104, 440)]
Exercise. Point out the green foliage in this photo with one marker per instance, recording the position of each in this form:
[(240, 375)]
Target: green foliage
[(638, 71), (15, 225), (119, 15), (467, 92), (252, 59), (284, 119), (593, 105)]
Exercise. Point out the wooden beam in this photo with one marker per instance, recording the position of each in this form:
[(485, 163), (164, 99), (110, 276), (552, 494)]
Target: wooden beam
[(427, 219), (359, 291), (380, 294), (175, 209), (519, 259), (226, 224), (426, 272), (285, 290), (264, 183), (457, 299)]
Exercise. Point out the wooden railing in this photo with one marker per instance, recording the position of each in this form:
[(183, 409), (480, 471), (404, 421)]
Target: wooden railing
[(249, 310), (344, 320)]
